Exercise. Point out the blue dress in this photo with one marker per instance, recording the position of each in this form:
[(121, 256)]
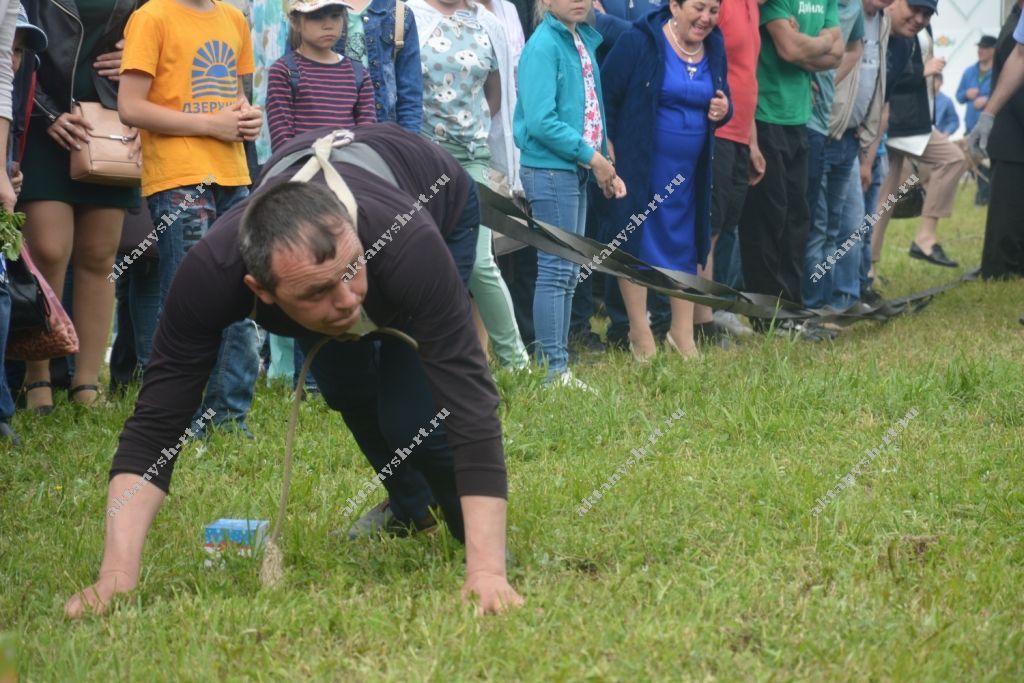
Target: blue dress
[(668, 238)]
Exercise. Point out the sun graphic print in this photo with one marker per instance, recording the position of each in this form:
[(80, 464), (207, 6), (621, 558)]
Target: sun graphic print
[(215, 71)]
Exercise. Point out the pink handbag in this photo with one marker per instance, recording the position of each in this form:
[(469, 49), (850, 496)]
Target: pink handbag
[(58, 340)]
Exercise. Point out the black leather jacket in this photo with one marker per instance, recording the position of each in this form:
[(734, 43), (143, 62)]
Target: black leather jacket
[(55, 79)]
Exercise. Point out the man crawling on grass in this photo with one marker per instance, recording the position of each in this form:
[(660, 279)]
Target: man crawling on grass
[(279, 258)]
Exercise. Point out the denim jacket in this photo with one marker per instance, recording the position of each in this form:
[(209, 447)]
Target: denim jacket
[(397, 82)]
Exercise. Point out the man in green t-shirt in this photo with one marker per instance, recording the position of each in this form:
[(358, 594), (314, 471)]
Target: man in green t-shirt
[(798, 38)]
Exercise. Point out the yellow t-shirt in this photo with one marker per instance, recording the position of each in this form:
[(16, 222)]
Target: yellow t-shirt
[(195, 58)]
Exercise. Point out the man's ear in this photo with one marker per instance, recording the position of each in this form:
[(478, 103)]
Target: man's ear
[(264, 295)]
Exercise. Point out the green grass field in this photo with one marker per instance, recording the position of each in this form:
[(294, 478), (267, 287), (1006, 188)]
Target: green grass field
[(703, 562)]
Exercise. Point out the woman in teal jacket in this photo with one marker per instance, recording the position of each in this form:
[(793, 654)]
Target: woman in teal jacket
[(559, 127)]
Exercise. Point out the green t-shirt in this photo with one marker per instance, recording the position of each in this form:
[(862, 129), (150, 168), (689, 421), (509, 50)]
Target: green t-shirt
[(784, 90), (355, 38), (851, 25)]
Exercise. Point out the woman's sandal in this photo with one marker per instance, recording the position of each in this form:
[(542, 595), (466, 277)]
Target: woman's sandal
[(42, 410), (84, 387)]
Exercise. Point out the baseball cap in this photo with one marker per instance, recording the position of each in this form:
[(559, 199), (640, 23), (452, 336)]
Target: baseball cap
[(35, 37), (987, 41), (933, 5), (307, 6)]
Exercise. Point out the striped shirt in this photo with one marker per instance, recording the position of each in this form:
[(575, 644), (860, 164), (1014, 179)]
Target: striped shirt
[(326, 96)]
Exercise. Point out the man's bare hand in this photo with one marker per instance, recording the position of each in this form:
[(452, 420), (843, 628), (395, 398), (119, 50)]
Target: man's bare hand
[(494, 593), (935, 65), (757, 165), (108, 64), (96, 598)]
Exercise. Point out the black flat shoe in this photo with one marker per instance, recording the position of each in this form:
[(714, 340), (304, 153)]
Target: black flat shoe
[(938, 256), (84, 387), (44, 410)]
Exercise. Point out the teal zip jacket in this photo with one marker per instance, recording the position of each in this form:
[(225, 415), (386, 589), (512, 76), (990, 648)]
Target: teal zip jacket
[(548, 123)]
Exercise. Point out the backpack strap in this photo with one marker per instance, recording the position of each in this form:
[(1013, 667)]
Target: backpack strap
[(293, 72), (399, 26)]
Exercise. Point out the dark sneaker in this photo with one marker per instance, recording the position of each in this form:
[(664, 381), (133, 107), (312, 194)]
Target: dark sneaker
[(7, 434), (871, 297), (711, 334), (808, 332), (589, 342), (938, 256), (381, 520)]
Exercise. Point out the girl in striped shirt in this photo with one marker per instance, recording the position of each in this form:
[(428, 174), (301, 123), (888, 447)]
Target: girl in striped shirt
[(313, 86)]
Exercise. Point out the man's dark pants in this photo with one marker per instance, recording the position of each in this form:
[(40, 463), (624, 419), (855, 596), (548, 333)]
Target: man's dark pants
[(382, 393), (776, 220), (1003, 253), (731, 180)]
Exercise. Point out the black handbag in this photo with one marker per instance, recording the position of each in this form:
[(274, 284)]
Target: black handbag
[(911, 203), (29, 310)]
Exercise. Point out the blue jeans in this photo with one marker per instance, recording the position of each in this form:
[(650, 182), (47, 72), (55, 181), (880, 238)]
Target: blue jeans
[(878, 173), (230, 388), (845, 274), (837, 287), (728, 267), (6, 402), (138, 306), (816, 143), (381, 391), (560, 199)]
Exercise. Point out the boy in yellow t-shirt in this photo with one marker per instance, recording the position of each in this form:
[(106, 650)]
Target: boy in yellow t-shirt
[(181, 85)]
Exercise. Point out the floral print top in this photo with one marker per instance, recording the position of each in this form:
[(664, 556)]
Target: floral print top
[(593, 126)]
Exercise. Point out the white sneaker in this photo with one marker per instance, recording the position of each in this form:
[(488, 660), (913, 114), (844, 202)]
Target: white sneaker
[(732, 324), (567, 379)]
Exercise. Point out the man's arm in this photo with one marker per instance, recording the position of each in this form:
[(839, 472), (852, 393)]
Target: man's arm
[(484, 519), (757, 162), (850, 59), (868, 155), (1011, 77), (950, 120), (200, 305), (961, 90), (803, 50), (122, 551), (831, 59)]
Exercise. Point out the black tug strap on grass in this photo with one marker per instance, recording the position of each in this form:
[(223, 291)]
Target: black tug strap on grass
[(504, 216)]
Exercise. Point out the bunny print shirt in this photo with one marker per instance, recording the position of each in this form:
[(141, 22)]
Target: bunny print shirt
[(457, 59)]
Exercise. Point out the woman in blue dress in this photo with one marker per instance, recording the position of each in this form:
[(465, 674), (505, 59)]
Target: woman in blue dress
[(665, 93)]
